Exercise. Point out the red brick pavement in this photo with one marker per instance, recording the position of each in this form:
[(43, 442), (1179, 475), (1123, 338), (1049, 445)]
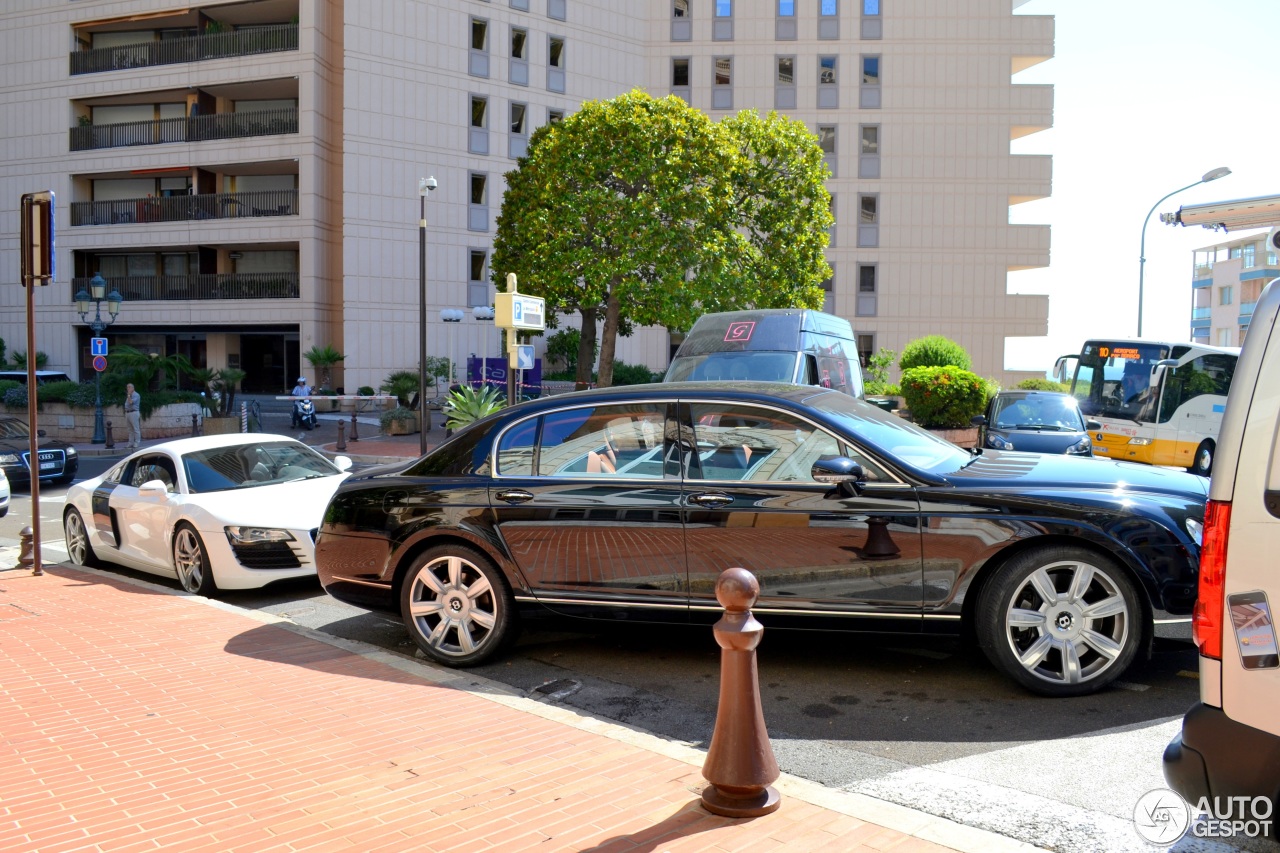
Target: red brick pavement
[(135, 718)]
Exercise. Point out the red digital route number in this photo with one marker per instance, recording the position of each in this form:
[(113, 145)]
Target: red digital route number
[(740, 331)]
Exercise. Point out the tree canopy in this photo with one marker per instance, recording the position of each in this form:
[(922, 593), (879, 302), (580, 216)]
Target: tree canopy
[(642, 211)]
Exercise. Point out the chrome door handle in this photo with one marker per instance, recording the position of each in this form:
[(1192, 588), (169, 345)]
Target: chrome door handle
[(711, 499), (514, 496)]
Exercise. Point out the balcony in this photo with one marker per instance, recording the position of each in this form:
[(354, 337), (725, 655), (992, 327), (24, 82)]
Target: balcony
[(1200, 313), (244, 42), (1246, 308), (187, 288), (198, 128), (184, 208)]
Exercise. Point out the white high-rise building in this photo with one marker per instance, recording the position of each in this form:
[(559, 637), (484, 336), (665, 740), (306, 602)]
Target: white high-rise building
[(246, 174)]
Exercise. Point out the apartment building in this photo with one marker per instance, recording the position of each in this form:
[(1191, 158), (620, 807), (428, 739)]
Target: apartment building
[(246, 174), (1226, 280)]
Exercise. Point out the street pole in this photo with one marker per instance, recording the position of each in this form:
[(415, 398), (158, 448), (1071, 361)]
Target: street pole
[(425, 185), (97, 295), (1220, 172)]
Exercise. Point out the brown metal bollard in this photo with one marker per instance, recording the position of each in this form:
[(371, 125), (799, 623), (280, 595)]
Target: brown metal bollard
[(342, 437), (27, 554), (355, 433), (111, 441), (195, 426), (740, 765)]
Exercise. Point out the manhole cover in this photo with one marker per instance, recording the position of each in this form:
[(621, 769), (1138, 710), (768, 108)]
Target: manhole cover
[(556, 690)]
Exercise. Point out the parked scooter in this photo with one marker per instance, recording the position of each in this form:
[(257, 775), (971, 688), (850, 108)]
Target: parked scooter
[(304, 414)]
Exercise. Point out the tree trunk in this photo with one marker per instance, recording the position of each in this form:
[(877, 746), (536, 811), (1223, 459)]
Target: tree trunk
[(609, 336), (586, 349)]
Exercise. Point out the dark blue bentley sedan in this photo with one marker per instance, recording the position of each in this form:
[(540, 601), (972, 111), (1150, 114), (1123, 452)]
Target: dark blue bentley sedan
[(627, 503)]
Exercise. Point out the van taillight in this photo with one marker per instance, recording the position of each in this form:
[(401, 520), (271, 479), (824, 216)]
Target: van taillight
[(1206, 619)]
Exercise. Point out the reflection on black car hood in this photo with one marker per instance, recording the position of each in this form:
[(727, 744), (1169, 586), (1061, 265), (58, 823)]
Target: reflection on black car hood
[(1039, 471), (1040, 442)]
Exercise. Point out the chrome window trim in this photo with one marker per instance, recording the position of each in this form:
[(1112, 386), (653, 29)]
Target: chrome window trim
[(492, 460)]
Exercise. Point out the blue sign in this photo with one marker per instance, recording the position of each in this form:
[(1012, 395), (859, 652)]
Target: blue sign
[(524, 357), (98, 346)]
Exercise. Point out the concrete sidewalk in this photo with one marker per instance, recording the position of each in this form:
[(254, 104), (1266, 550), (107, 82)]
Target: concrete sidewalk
[(134, 717)]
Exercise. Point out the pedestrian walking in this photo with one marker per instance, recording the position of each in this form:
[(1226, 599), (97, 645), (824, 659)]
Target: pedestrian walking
[(133, 415)]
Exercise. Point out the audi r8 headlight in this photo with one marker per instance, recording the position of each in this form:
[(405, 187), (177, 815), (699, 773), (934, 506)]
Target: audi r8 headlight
[(1140, 442), (9, 459), (999, 442), (1083, 447), (239, 535)]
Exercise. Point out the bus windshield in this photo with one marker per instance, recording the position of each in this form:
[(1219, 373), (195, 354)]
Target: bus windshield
[(1114, 379)]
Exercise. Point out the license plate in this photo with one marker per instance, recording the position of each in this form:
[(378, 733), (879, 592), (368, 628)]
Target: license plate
[(48, 466)]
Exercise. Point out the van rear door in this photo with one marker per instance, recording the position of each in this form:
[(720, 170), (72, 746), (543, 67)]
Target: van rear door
[(1250, 481)]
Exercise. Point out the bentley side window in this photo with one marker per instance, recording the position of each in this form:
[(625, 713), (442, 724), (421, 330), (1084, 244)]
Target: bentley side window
[(595, 441)]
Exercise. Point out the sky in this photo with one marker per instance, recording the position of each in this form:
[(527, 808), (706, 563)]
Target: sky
[(1148, 96)]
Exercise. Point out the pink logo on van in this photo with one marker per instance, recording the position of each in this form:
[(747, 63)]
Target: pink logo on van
[(740, 330)]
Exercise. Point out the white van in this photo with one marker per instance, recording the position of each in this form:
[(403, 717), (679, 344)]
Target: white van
[(1229, 746)]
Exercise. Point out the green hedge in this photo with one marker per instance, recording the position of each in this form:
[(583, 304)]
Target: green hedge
[(934, 351), (83, 395), (944, 397), (1042, 385)]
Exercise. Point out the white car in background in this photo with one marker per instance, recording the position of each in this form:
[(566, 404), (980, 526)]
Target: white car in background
[(216, 512), (4, 494)]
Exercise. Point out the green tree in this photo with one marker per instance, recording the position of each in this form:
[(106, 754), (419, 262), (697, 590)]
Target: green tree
[(324, 359), (642, 211)]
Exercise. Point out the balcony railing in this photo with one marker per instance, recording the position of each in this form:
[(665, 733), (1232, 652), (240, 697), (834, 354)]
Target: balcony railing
[(185, 288), (1246, 308), (194, 129), (183, 208), (1200, 313), (245, 42)]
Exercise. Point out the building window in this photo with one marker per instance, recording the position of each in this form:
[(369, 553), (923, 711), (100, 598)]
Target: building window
[(827, 142), (871, 27), (868, 220), (519, 62), (1249, 257), (522, 5), (681, 24), (478, 136), (680, 79), (829, 292), (1224, 337), (556, 9), (555, 116), (478, 279), (866, 306), (831, 232), (555, 64), (866, 346), (828, 93), (828, 19), (478, 202), (869, 92), (784, 84), (479, 60), (869, 153), (784, 27), (722, 83), (518, 141), (722, 21), (1225, 295)]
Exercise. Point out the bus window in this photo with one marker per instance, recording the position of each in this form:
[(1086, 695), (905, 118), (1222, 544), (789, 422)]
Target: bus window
[(1208, 374)]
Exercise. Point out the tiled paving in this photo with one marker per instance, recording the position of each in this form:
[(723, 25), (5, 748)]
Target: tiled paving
[(135, 718)]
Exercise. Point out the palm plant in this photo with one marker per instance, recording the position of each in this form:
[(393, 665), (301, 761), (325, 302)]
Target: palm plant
[(467, 404), (220, 388), (323, 359), (402, 384)]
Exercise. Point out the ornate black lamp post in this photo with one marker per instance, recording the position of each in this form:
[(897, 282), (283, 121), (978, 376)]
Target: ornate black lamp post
[(97, 294)]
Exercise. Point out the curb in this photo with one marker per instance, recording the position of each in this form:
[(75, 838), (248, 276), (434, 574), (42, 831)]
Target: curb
[(966, 839)]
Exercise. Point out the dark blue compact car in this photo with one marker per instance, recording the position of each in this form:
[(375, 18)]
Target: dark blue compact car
[(1035, 421), (627, 503)]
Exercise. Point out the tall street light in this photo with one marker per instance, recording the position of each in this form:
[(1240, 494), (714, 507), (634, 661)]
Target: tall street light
[(425, 185), (1220, 172), (97, 294)]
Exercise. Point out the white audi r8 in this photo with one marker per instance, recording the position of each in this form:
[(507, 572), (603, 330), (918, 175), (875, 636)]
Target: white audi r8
[(217, 512)]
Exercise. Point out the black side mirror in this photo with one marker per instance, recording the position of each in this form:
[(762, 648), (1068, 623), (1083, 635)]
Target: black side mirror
[(1092, 425), (842, 472), (978, 420)]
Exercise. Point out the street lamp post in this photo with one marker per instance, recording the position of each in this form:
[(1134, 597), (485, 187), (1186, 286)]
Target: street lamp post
[(425, 185), (97, 294), (1220, 172)]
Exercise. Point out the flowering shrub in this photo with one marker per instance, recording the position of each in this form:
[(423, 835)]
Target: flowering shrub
[(934, 351), (945, 397)]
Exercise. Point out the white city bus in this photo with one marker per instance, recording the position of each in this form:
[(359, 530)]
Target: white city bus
[(1158, 402)]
